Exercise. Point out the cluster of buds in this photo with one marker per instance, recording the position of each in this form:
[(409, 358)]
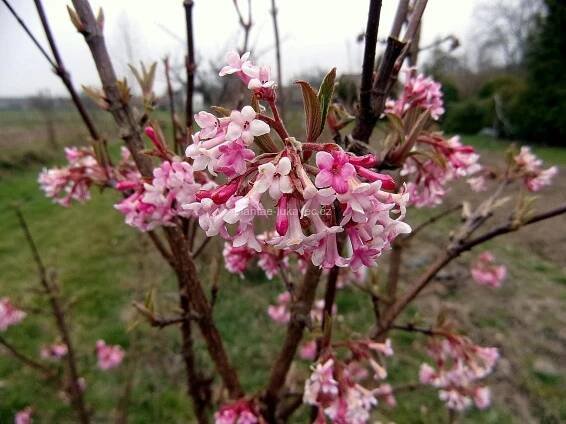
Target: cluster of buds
[(419, 92), (9, 314), (73, 181), (486, 272), (459, 366), (108, 356), (242, 411), (437, 162), (334, 385), (528, 167)]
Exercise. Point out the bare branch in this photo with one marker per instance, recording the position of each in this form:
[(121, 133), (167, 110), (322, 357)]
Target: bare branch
[(281, 93), (300, 311), (418, 285), (190, 66), (25, 359), (57, 309)]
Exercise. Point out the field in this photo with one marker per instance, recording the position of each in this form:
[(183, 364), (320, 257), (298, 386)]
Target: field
[(102, 265)]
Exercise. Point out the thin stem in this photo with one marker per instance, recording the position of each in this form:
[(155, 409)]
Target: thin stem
[(329, 299), (59, 315), (25, 359), (171, 96), (190, 64), (365, 115), (246, 25), (418, 285), (65, 77), (30, 34), (300, 311), (201, 247), (276, 125), (161, 248), (433, 219), (281, 92), (400, 18)]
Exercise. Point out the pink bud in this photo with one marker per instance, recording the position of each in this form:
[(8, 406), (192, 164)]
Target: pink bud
[(221, 194), (387, 182), (282, 220), (150, 132), (366, 161)]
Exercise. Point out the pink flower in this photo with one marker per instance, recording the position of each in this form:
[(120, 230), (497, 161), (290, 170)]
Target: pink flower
[(24, 416), (9, 314), (275, 178), (482, 397), (241, 411), (269, 263), (385, 393), (108, 356), (308, 350), (244, 125), (54, 351), (321, 383), (335, 171), (235, 63), (280, 313), (260, 77), (485, 272)]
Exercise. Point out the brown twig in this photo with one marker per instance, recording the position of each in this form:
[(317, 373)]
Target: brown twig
[(246, 25), (190, 65), (92, 30), (281, 92), (433, 219), (300, 311), (329, 299), (161, 248), (418, 285), (201, 247), (25, 359), (171, 95), (57, 309), (365, 116), (400, 18)]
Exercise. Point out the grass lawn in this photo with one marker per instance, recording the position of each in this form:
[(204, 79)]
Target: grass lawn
[(102, 265)]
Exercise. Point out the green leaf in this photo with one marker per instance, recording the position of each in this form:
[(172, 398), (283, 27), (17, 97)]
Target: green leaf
[(313, 114), (325, 95)]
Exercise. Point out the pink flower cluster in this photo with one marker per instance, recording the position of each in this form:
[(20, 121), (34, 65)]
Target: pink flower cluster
[(334, 388), (108, 356), (54, 351), (9, 314), (459, 366), (240, 412), (445, 161), (155, 203), (418, 92), (73, 182), (363, 202), (256, 78), (486, 273), (529, 167)]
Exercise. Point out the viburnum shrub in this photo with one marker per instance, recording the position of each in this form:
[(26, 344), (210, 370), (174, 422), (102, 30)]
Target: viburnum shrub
[(327, 204)]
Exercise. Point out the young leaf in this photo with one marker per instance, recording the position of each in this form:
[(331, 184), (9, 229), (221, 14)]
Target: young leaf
[(313, 114), (325, 95)]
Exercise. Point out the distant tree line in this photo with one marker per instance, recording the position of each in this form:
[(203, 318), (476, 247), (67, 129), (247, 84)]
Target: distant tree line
[(513, 79)]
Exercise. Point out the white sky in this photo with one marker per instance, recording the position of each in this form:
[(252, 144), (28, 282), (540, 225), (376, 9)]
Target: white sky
[(316, 34)]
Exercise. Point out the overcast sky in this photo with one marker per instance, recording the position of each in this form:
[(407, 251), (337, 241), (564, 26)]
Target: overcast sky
[(315, 33)]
